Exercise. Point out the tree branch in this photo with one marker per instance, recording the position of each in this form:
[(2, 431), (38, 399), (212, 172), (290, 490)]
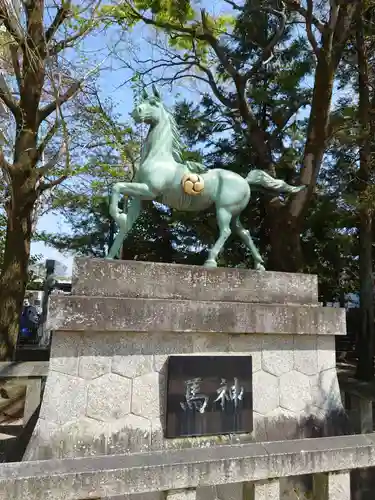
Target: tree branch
[(66, 96), (69, 41), (45, 169), (8, 20), (234, 5), (3, 163), (214, 87), (295, 6), (46, 139), (62, 14), (7, 98), (51, 107), (309, 32), (44, 186), (267, 52)]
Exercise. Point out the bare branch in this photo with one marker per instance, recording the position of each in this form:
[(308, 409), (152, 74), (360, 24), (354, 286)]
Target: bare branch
[(47, 167), (333, 14), (44, 186), (66, 96), (217, 48), (62, 14), (214, 87), (11, 25), (69, 41), (6, 97), (51, 107), (295, 6), (46, 139), (234, 5), (309, 32)]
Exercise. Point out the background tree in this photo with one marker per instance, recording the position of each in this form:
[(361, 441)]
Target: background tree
[(364, 42), (43, 84)]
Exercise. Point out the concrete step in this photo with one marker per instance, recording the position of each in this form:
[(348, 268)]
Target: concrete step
[(79, 313), (132, 279)]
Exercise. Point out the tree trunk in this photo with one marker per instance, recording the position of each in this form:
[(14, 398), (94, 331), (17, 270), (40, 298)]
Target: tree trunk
[(23, 179), (285, 242), (285, 229), (14, 273), (365, 348)]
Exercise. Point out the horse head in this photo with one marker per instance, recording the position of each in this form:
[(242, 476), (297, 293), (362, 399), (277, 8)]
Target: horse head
[(150, 109)]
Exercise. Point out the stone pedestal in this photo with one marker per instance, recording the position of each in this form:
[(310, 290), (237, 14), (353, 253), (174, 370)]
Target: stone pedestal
[(112, 337)]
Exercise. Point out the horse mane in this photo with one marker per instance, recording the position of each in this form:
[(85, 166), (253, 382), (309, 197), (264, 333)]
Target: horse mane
[(177, 148)]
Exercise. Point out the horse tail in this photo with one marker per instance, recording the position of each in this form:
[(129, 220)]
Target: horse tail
[(266, 181)]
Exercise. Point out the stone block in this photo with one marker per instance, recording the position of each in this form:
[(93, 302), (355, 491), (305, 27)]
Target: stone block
[(265, 392), (148, 395), (117, 278), (84, 437), (131, 434), (133, 365), (77, 313), (306, 354), (64, 398), (248, 344), (295, 391), (91, 367), (277, 354), (109, 397), (281, 424), (259, 427), (65, 350)]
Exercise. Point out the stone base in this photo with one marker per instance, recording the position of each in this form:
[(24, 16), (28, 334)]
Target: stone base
[(105, 391)]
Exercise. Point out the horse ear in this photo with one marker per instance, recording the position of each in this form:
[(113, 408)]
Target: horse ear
[(144, 94), (156, 92)]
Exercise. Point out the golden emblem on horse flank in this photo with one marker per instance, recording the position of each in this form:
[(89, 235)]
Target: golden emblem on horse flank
[(192, 184)]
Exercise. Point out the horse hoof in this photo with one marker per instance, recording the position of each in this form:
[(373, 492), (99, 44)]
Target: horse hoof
[(210, 263), (259, 267)]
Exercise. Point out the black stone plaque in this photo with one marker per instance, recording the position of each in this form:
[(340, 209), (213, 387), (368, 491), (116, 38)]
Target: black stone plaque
[(209, 395)]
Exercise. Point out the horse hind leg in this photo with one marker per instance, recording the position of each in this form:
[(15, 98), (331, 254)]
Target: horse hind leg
[(246, 238), (223, 217)]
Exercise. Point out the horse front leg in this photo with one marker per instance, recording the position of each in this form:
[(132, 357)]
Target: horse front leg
[(125, 221)]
